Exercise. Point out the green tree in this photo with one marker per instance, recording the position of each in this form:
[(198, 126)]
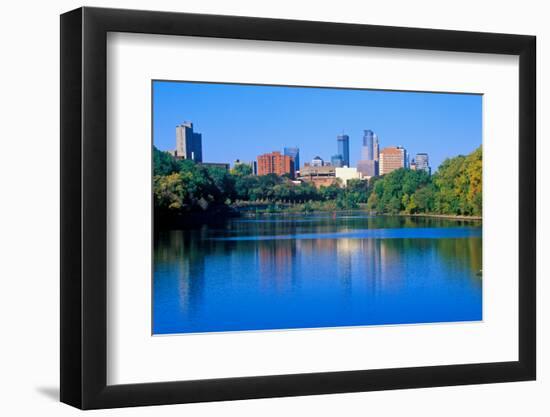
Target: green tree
[(241, 170), (458, 184), (394, 206), (372, 202), (170, 192), (223, 182), (164, 163), (331, 192), (360, 188), (244, 186), (410, 204), (424, 199)]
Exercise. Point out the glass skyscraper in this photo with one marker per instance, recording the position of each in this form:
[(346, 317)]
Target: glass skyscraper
[(337, 161), (368, 146), (343, 148), (294, 153), (376, 147), (370, 154)]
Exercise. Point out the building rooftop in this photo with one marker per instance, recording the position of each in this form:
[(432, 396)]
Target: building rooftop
[(392, 149)]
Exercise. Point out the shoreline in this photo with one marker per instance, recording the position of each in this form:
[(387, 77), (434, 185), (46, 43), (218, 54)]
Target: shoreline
[(279, 212), (221, 215), (252, 213), (440, 216)]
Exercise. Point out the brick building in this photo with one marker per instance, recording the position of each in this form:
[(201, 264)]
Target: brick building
[(275, 163), (392, 158)]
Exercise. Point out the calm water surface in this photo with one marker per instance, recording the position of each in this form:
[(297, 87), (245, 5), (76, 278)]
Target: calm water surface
[(321, 270)]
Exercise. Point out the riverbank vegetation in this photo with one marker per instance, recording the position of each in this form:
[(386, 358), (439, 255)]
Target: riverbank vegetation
[(455, 189), (181, 187)]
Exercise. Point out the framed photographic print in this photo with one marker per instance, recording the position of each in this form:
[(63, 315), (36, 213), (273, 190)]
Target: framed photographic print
[(257, 207)]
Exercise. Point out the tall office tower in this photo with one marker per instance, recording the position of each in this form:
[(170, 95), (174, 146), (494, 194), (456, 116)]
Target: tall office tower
[(294, 153), (275, 163), (188, 143), (367, 153), (392, 158), (423, 162), (343, 148), (375, 147), (368, 168), (337, 161)]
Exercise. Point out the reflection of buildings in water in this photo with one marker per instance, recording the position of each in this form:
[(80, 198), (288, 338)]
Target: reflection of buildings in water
[(392, 264), (345, 250), (383, 265), (314, 246), (352, 256), (330, 262), (317, 248), (276, 263), (190, 275), (371, 253), (331, 253)]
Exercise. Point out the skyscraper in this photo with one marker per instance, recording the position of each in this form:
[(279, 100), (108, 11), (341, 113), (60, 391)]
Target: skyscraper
[(368, 165), (188, 143), (375, 147), (367, 153), (343, 148), (294, 153), (392, 158), (368, 168), (337, 161), (423, 162)]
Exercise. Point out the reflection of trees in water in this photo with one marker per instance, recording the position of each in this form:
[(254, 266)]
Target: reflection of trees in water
[(183, 254), (463, 253), (469, 250), (389, 262)]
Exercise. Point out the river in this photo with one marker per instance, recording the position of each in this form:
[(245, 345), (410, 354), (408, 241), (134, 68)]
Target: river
[(319, 270)]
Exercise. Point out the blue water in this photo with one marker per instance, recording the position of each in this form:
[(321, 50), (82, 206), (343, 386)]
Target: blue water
[(316, 271)]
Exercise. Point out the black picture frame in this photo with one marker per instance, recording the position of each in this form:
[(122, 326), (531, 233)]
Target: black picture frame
[(84, 207)]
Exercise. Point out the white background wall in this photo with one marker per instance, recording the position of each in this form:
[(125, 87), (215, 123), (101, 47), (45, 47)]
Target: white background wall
[(29, 219)]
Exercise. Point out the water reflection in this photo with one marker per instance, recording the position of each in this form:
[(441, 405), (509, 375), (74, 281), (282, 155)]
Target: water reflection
[(206, 280)]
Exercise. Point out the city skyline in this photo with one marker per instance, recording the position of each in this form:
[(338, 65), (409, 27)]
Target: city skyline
[(243, 121)]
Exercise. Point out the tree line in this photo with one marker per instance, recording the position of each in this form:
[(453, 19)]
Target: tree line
[(181, 186)]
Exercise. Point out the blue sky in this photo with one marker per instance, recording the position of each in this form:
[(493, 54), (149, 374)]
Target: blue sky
[(243, 121)]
